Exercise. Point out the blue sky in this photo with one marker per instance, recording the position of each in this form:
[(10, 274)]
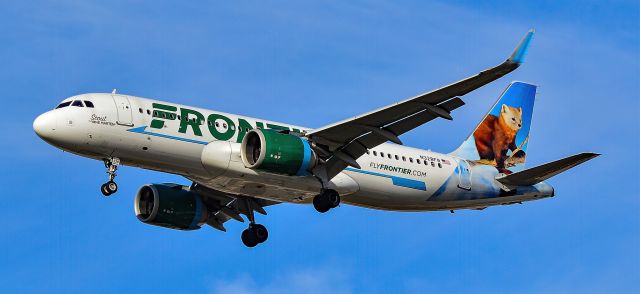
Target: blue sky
[(313, 64)]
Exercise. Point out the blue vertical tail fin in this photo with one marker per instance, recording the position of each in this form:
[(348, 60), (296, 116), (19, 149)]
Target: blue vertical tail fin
[(502, 136)]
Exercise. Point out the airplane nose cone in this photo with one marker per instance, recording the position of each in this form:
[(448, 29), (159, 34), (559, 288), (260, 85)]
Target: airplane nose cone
[(44, 125)]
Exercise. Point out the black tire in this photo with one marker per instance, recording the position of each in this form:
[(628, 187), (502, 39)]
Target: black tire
[(249, 238), (105, 190), (261, 232), (321, 204), (333, 198), (112, 187)]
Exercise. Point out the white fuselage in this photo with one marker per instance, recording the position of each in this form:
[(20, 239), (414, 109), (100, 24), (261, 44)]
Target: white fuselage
[(207, 151)]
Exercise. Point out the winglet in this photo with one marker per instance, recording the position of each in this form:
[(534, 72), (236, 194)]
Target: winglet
[(521, 50)]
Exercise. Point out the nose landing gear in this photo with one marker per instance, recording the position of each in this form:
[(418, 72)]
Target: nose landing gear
[(326, 200), (110, 187)]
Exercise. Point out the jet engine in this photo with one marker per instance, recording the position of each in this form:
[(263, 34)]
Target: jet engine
[(275, 152), (170, 206)]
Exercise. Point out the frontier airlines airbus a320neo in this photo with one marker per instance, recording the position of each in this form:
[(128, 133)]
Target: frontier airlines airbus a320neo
[(239, 165)]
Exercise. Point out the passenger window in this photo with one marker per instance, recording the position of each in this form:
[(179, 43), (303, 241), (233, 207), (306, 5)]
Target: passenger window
[(88, 104), (375, 153), (439, 165), (389, 155), (426, 162), (410, 159), (367, 151), (382, 154), (64, 104), (139, 109), (217, 124), (433, 164), (418, 161), (77, 103), (404, 158), (397, 158), (148, 112)]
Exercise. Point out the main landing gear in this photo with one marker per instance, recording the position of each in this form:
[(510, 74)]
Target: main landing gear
[(110, 187), (255, 233), (326, 200)]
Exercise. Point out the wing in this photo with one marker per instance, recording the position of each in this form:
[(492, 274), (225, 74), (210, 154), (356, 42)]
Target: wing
[(343, 142), (223, 206)]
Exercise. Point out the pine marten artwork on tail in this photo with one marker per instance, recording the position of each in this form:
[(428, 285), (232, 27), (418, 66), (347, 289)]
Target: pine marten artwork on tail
[(495, 136), (501, 139)]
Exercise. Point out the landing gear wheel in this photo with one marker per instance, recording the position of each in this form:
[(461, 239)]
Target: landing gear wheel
[(254, 235), (105, 190), (112, 187), (320, 205), (261, 232), (249, 238), (326, 200), (333, 197)]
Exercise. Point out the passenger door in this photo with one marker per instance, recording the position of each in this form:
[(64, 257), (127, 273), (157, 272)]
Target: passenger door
[(464, 174), (123, 107)]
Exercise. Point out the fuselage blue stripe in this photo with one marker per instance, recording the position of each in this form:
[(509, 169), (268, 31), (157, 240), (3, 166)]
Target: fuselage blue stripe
[(398, 181), (305, 159), (142, 130)]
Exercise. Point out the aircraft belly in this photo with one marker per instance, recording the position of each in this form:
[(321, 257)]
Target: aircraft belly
[(238, 179), (380, 191), (266, 189), (441, 191)]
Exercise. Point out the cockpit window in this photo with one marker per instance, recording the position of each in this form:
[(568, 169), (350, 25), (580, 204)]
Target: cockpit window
[(88, 104), (64, 104), (77, 103)]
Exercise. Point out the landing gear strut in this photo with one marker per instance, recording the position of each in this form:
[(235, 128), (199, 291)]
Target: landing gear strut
[(110, 187), (255, 233), (326, 200)]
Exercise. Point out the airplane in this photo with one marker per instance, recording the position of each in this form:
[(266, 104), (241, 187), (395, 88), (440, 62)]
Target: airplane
[(239, 165)]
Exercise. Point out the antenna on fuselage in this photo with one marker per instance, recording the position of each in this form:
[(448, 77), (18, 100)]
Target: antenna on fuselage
[(114, 91)]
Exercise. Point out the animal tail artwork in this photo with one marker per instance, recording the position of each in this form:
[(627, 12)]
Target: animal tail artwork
[(502, 136)]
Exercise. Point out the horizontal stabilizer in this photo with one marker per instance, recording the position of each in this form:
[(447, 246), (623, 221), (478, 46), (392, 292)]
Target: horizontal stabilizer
[(540, 173)]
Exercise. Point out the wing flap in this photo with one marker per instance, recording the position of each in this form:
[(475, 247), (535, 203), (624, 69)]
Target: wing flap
[(359, 146), (224, 206)]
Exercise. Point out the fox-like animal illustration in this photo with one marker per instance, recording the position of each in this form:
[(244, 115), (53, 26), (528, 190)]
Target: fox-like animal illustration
[(496, 135)]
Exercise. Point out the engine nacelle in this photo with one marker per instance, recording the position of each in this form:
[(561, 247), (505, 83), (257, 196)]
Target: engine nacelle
[(271, 151), (170, 206)]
